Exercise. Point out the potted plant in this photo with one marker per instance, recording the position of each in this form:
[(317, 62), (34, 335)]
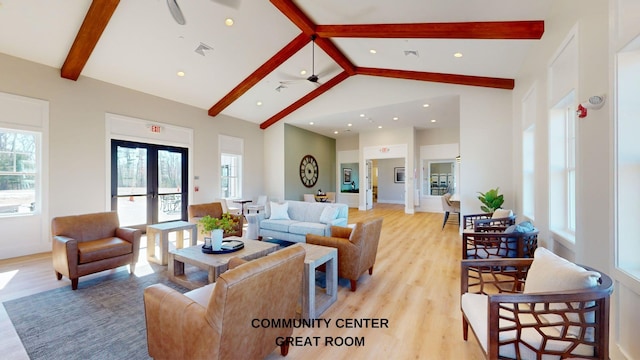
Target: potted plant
[(217, 227), (491, 200)]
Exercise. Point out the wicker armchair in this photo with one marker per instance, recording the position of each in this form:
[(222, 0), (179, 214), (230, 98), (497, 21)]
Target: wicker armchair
[(486, 222), (488, 245), (510, 324)]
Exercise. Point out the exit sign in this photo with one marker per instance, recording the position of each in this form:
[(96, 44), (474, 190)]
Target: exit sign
[(156, 129)]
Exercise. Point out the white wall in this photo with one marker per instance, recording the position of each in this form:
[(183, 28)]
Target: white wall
[(77, 133), (625, 27), (389, 191), (595, 147), (485, 147), (273, 157)]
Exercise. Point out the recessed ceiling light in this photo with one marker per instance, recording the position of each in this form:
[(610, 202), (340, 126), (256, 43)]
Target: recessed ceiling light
[(379, 126), (228, 21), (458, 55), (349, 124), (180, 73), (433, 120), (335, 132), (395, 118), (303, 72), (425, 105), (373, 51), (310, 122), (259, 103), (361, 115)]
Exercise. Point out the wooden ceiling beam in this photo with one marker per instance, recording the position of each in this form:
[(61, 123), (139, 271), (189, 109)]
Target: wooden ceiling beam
[(293, 13), (489, 82), (92, 27), (291, 48), (305, 99), (523, 30), (332, 50)]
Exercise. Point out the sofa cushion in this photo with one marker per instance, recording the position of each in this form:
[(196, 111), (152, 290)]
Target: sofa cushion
[(329, 213), (304, 228), (277, 225), (94, 250), (279, 211)]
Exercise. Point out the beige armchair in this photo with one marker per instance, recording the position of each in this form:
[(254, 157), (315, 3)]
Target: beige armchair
[(90, 243), (357, 248), (214, 209), (224, 320)]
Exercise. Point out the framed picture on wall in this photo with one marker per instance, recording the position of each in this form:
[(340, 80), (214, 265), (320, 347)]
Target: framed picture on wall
[(398, 174), (346, 176)]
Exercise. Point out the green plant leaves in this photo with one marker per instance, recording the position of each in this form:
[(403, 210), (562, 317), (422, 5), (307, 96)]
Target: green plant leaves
[(491, 200)]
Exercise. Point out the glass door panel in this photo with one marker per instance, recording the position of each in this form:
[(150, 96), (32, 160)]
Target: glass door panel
[(169, 185), (148, 183), (132, 180)]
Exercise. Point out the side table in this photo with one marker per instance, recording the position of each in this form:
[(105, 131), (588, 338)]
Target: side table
[(315, 302), (161, 232)]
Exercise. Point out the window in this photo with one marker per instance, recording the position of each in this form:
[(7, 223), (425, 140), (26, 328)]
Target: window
[(562, 168), (528, 172), (19, 164), (628, 160), (230, 171), (231, 150)]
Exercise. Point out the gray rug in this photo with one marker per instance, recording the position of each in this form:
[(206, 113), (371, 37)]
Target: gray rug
[(103, 319)]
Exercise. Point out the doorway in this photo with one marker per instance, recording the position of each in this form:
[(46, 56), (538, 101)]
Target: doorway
[(148, 183)]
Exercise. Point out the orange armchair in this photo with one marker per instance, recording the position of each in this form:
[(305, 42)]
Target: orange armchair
[(357, 248), (226, 319), (214, 209), (90, 243)]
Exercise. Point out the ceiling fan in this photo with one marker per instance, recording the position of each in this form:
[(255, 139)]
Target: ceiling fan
[(313, 78), (176, 12)]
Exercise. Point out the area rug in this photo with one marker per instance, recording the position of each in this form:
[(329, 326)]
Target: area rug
[(103, 319)]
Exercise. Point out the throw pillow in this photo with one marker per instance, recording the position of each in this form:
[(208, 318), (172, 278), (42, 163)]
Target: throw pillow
[(550, 272), (523, 227), (501, 213), (329, 213), (279, 211)]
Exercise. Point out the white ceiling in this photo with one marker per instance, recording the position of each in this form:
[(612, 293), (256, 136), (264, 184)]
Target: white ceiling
[(143, 48)]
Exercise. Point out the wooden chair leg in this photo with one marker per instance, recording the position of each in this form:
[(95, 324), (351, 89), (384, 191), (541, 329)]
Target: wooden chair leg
[(284, 349), (74, 284), (354, 284), (465, 329), (371, 270), (58, 276)]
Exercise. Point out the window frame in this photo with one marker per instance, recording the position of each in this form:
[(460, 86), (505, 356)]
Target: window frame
[(562, 168), (36, 172)]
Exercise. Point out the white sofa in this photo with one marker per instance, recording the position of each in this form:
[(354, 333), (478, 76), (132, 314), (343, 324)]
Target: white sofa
[(304, 218)]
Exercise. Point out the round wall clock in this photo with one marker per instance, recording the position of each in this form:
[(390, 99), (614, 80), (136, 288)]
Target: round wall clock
[(308, 171)]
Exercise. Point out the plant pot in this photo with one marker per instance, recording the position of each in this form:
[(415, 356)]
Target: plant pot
[(216, 239)]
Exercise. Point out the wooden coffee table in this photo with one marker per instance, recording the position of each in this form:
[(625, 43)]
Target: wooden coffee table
[(213, 264)]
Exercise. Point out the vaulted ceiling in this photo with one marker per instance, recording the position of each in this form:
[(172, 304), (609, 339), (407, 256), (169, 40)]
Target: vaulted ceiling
[(374, 59)]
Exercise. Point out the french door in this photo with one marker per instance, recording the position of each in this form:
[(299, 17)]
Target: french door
[(148, 183)]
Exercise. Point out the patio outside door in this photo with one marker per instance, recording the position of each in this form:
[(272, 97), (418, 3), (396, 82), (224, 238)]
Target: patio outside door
[(148, 183)]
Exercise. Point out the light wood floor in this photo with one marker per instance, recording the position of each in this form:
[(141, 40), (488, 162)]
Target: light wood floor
[(415, 286)]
